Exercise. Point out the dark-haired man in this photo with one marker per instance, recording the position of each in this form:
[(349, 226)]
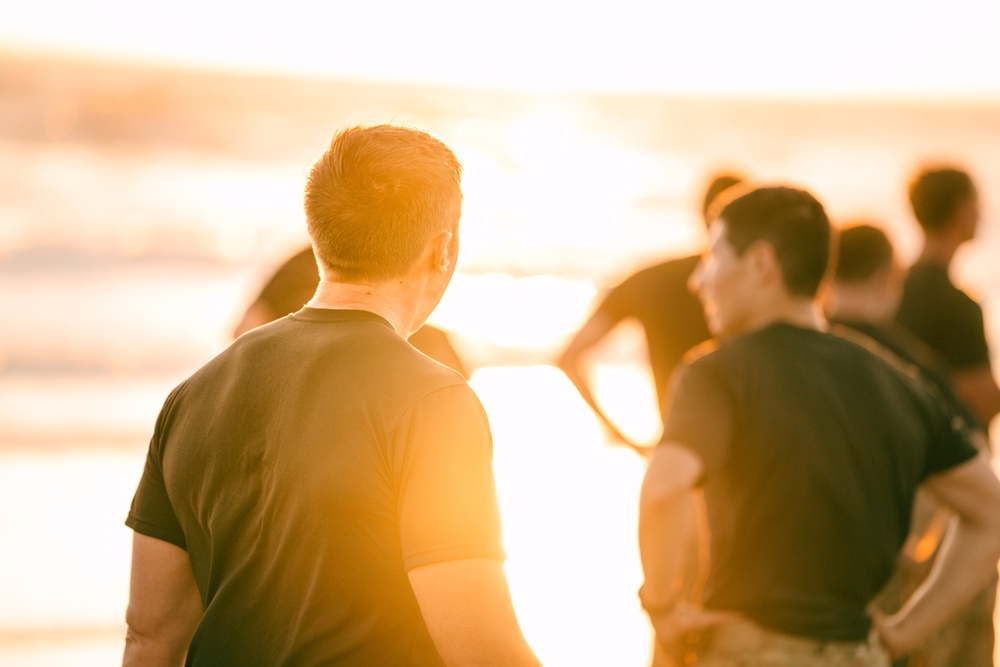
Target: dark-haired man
[(864, 295), (946, 206), (809, 449), (321, 493)]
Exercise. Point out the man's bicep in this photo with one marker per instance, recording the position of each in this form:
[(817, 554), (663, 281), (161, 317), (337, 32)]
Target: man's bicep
[(970, 489), (673, 469), (590, 334), (467, 608), (164, 603)]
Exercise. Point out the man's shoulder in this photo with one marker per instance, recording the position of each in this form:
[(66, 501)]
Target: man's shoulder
[(649, 284), (928, 287), (678, 267), (779, 343)]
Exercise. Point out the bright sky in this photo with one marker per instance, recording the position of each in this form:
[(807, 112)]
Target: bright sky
[(785, 47)]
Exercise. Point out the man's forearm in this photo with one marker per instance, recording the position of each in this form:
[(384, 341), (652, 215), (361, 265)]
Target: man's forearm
[(665, 527), (967, 563)]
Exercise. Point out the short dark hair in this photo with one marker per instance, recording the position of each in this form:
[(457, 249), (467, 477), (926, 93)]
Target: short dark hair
[(719, 184), (862, 251), (376, 195), (936, 193), (792, 221)]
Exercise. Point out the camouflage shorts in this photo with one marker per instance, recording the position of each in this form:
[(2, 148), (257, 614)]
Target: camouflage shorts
[(749, 645)]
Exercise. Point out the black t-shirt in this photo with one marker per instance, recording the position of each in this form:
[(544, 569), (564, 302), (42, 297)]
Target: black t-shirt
[(911, 350), (943, 316), (305, 470), (812, 448), (671, 316)]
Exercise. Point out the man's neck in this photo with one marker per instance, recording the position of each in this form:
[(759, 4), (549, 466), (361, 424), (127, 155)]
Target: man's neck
[(800, 312), (939, 249), (386, 299), (859, 304)]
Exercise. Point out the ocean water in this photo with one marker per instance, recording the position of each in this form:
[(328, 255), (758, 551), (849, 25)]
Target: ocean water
[(141, 209)]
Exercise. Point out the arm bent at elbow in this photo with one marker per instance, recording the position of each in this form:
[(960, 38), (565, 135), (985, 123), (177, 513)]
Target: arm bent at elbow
[(968, 558)]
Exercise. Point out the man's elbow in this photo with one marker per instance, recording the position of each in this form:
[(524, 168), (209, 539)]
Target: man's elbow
[(156, 641), (150, 650), (672, 474)]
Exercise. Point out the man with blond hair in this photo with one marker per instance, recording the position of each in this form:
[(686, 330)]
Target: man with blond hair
[(321, 493)]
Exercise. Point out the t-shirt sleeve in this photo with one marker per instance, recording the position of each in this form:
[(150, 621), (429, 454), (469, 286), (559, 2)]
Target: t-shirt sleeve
[(951, 443), (442, 455), (701, 415), (151, 513)]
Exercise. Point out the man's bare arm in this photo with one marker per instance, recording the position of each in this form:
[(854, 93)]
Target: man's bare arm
[(666, 523), (571, 362), (164, 605), (978, 390), (968, 558), (467, 608)]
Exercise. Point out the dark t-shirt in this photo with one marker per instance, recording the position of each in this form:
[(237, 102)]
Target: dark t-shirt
[(671, 316), (943, 316), (911, 350), (305, 470), (812, 448)]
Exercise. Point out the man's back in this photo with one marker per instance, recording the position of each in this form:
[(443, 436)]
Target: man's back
[(671, 316), (812, 449), (943, 316), (309, 467)]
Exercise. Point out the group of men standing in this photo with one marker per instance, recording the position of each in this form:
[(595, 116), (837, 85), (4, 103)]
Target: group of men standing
[(321, 493)]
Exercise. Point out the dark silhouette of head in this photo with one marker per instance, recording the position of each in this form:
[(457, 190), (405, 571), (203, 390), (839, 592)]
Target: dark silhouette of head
[(719, 184), (792, 221), (862, 251), (376, 196), (937, 193)]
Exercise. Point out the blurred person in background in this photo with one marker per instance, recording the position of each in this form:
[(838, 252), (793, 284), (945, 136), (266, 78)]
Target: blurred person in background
[(321, 493), (671, 318), (866, 287), (292, 285), (945, 204), (864, 295), (809, 449)]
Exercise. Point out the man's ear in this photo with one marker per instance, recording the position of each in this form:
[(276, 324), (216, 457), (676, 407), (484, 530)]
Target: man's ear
[(442, 251), (763, 261)]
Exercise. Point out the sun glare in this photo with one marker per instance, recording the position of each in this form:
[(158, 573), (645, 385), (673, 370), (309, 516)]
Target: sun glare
[(569, 503)]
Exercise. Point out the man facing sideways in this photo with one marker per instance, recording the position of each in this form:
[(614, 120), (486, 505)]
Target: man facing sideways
[(946, 206), (321, 493), (809, 449), (865, 290)]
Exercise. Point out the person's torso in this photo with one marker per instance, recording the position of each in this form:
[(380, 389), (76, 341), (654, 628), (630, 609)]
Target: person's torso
[(278, 467), (813, 501)]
